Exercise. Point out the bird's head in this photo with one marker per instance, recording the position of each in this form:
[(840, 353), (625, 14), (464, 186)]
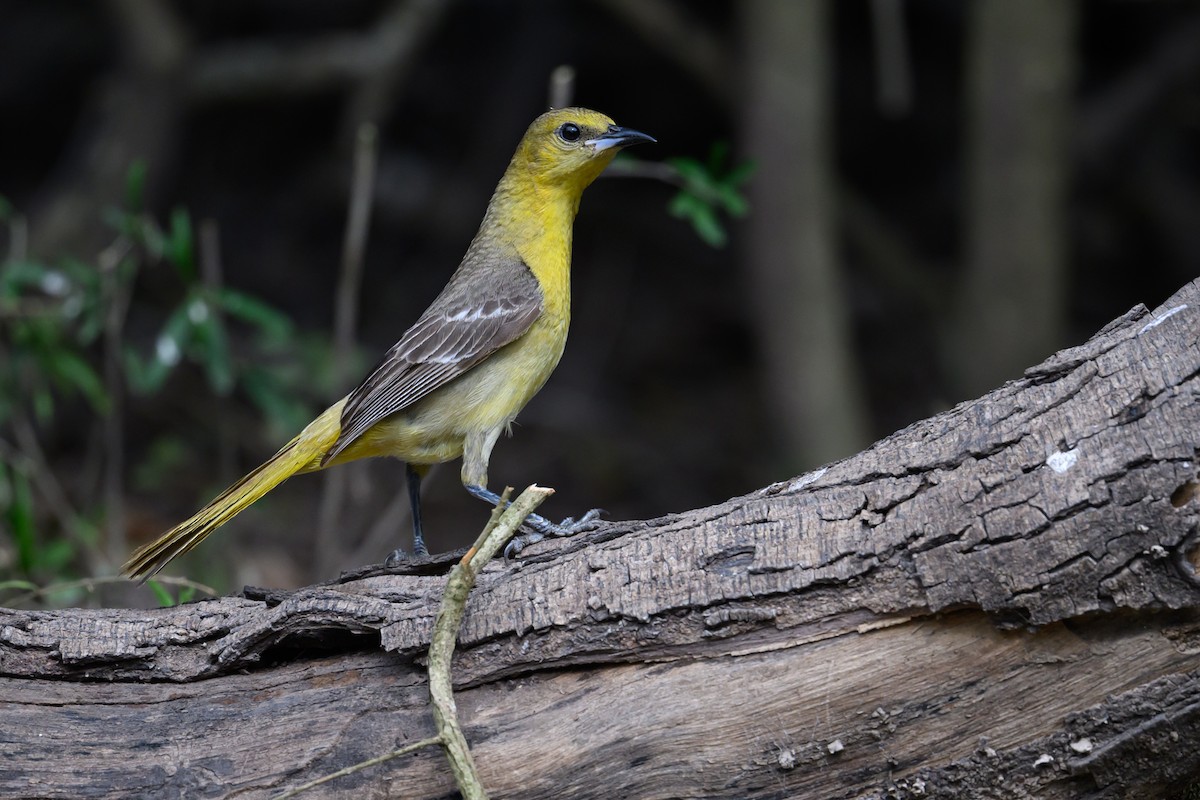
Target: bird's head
[(569, 147)]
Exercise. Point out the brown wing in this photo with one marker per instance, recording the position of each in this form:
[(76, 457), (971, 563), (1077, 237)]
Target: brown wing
[(484, 307)]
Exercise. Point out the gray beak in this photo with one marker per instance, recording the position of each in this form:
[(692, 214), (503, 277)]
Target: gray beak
[(616, 136)]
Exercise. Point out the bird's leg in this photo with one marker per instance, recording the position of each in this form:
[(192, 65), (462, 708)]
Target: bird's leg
[(477, 448), (539, 526), (413, 476)]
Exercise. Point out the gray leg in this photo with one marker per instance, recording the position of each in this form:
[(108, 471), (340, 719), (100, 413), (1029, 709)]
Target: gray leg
[(539, 526), (413, 478)]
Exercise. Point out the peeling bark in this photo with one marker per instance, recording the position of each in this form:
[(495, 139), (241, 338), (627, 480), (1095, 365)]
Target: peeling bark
[(1000, 601)]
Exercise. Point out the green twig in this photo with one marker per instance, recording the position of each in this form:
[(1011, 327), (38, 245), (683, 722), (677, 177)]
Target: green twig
[(505, 520), (499, 530)]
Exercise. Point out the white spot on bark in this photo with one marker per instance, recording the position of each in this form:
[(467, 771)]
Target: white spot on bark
[(805, 480), (1154, 323), (835, 747), (1082, 746), (1043, 760), (1061, 461)]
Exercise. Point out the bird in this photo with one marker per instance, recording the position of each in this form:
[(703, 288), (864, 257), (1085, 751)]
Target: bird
[(459, 376)]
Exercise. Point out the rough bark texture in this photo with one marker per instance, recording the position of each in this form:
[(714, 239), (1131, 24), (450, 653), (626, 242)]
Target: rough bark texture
[(1000, 601)]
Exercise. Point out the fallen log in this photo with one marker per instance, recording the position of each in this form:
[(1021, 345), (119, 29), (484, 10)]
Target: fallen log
[(999, 601)]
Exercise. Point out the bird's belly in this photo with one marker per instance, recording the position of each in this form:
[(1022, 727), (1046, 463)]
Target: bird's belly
[(489, 396)]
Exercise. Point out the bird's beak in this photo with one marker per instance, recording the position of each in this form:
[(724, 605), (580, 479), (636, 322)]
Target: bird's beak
[(618, 137)]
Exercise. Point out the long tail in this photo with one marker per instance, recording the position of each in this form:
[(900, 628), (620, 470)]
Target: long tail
[(301, 454)]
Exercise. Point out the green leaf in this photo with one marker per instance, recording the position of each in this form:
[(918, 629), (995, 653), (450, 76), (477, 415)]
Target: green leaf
[(718, 154), (161, 594), (684, 205), (180, 245), (166, 455), (186, 593), (70, 371), (146, 377), (214, 354), (741, 173), (20, 521), (151, 236), (283, 410), (709, 228), (689, 169), (707, 188), (734, 202), (54, 556), (17, 277), (135, 185), (43, 406), (274, 324)]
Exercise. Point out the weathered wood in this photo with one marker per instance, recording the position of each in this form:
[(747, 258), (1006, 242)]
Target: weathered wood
[(1000, 601)]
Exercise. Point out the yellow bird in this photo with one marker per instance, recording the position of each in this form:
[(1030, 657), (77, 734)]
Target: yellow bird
[(458, 377)]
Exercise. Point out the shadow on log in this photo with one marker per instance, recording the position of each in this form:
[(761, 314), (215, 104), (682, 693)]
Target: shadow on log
[(1000, 601)]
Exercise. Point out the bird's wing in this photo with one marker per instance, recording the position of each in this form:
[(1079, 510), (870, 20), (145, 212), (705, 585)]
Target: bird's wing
[(469, 321)]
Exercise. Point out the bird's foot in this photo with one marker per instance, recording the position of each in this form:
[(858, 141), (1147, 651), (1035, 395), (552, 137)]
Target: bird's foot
[(400, 555), (539, 528)]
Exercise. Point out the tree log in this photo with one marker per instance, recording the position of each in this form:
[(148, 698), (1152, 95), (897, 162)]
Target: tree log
[(998, 602)]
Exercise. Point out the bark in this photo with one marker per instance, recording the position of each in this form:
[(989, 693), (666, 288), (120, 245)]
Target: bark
[(998, 602)]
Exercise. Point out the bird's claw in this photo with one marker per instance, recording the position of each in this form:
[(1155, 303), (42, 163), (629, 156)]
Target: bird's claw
[(570, 525), (540, 527), (400, 555)]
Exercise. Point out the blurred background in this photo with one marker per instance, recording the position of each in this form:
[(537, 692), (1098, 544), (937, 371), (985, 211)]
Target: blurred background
[(217, 216)]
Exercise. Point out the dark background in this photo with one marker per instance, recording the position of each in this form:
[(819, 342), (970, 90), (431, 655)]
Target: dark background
[(946, 193)]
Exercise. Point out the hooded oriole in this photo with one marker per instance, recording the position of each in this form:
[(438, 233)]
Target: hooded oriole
[(470, 363)]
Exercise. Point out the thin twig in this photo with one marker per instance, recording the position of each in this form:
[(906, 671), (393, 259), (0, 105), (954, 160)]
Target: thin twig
[(499, 530), (381, 535), (501, 526), (18, 238), (28, 449), (92, 583), (655, 170), (354, 245), (399, 35), (562, 86), (345, 322), (350, 770), (116, 301), (212, 276)]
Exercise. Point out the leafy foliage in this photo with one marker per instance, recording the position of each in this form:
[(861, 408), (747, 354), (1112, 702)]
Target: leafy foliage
[(709, 188), (61, 324)]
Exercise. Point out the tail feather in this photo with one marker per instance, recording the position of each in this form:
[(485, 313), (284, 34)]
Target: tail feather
[(292, 458)]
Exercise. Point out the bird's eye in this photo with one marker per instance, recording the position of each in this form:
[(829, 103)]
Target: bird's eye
[(569, 132)]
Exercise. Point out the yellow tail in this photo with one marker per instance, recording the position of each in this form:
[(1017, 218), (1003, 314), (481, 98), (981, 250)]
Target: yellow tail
[(298, 455)]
